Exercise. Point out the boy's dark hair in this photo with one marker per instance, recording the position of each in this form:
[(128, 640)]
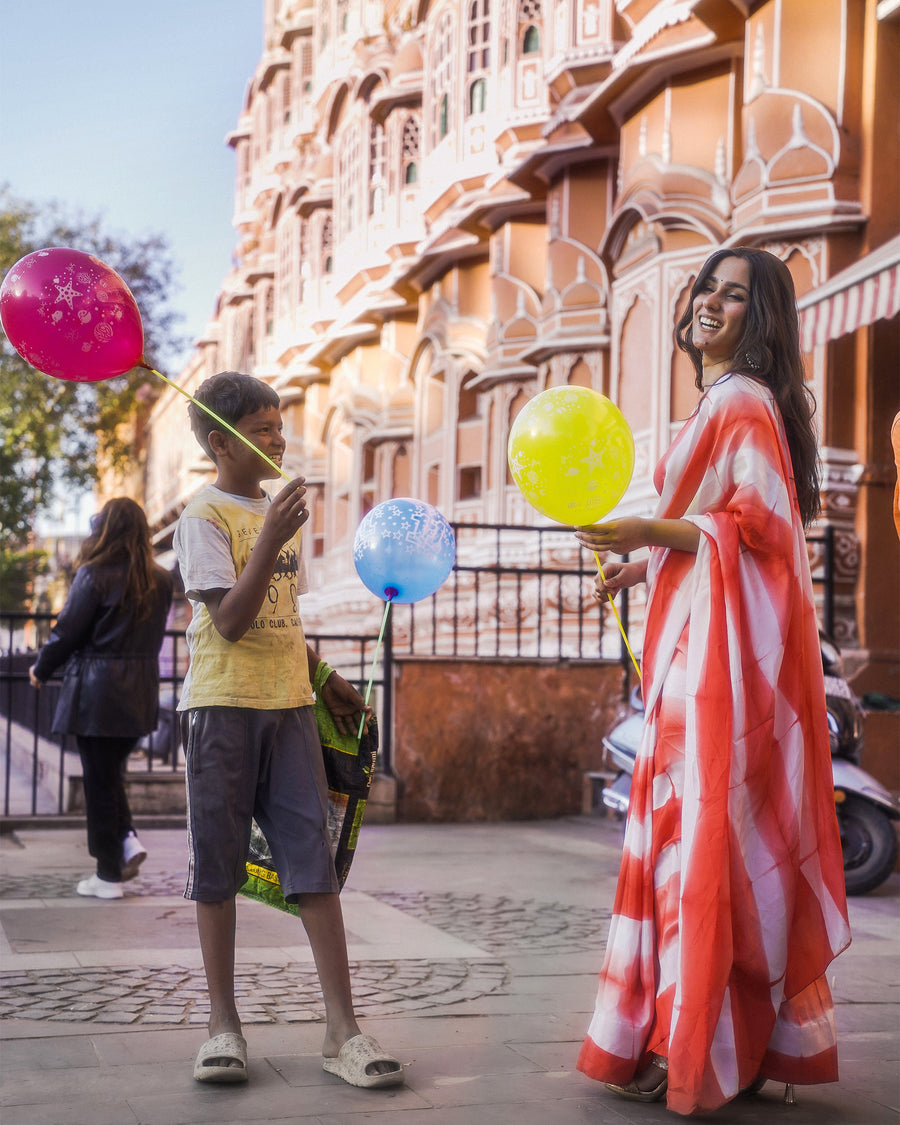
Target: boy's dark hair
[(231, 395)]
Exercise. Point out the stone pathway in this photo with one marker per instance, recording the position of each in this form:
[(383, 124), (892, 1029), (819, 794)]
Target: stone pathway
[(506, 926), (176, 995), (265, 994)]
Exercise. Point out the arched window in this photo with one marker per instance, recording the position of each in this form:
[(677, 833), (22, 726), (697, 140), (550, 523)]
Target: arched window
[(478, 54), (377, 168), (401, 473), (327, 245), (302, 71), (410, 151), (442, 63), (324, 22), (303, 263), (286, 267), (529, 62), (477, 96), (469, 400), (270, 311), (348, 181)]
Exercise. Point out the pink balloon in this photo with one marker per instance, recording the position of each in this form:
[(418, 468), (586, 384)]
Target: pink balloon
[(71, 316)]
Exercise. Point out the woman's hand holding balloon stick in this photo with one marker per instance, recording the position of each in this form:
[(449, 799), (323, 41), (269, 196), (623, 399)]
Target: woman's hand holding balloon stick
[(618, 576), (572, 455)]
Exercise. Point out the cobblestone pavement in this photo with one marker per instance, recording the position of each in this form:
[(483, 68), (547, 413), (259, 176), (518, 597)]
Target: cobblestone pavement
[(505, 926), (266, 994), (500, 926)]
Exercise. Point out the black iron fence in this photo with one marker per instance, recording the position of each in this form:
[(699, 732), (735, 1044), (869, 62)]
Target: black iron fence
[(514, 592)]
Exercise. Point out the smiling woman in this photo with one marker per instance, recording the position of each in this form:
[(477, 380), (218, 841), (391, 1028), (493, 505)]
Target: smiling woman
[(720, 309), (732, 873)]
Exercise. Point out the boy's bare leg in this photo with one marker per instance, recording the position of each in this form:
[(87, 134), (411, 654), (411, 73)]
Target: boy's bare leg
[(216, 926), (323, 921)]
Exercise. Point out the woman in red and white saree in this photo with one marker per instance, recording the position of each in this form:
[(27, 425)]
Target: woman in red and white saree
[(730, 901)]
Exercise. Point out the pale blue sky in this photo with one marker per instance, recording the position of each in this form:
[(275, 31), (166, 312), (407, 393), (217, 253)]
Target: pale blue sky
[(121, 109)]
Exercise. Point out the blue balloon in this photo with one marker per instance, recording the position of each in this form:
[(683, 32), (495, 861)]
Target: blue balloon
[(403, 550)]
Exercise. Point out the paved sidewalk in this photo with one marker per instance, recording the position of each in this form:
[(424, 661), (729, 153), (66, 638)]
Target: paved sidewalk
[(475, 951)]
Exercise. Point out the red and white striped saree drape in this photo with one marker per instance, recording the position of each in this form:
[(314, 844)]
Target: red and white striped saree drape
[(730, 902)]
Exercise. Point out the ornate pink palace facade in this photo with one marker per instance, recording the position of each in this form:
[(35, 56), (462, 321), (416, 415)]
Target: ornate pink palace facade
[(444, 207)]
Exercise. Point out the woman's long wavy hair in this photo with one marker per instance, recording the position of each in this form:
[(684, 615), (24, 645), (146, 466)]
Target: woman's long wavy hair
[(119, 549), (769, 351)]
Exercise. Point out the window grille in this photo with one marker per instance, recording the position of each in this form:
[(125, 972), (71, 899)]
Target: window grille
[(377, 167), (478, 55), (327, 245), (348, 180), (442, 75)]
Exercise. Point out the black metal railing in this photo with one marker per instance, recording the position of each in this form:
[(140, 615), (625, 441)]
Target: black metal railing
[(514, 593)]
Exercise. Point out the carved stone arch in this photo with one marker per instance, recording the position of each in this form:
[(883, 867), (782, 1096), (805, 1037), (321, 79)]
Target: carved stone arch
[(634, 317), (370, 81), (434, 327), (645, 204), (335, 447), (703, 207), (628, 215), (275, 209), (427, 350), (335, 109)]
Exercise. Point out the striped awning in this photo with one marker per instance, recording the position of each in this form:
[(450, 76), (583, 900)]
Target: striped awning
[(867, 291)]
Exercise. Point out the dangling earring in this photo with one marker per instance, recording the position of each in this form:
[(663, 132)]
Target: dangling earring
[(751, 361)]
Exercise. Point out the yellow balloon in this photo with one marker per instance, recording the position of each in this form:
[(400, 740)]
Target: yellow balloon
[(572, 454)]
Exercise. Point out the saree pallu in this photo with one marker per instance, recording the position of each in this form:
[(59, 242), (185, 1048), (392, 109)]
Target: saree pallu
[(730, 901)]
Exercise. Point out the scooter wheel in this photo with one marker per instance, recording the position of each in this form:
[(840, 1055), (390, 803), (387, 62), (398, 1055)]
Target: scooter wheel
[(869, 844)]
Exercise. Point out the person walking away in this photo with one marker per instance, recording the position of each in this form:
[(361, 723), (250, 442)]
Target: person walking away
[(108, 635), (730, 901), (252, 746)]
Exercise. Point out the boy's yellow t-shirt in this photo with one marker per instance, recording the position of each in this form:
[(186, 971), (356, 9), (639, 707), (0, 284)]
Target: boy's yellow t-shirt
[(267, 668)]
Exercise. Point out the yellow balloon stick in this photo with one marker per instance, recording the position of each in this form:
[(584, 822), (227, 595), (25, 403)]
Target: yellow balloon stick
[(225, 425), (618, 619)]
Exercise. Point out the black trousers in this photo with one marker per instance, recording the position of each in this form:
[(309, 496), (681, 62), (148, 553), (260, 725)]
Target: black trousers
[(103, 762)]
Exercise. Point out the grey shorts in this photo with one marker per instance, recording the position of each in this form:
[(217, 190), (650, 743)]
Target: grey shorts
[(243, 763)]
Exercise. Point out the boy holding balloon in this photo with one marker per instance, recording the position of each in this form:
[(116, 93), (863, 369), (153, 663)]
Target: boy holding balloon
[(250, 738)]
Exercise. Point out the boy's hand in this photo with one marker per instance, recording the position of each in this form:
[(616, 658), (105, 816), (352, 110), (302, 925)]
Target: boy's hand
[(345, 704), (287, 513)]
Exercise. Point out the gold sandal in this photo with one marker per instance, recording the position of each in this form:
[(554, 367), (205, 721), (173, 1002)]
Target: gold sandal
[(633, 1091)]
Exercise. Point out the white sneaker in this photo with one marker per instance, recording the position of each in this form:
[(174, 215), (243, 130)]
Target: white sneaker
[(133, 855), (99, 888)]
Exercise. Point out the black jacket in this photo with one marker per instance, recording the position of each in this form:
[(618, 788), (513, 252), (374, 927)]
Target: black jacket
[(111, 683)]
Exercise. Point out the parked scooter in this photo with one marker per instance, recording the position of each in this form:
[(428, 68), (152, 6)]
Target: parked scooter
[(865, 809)]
